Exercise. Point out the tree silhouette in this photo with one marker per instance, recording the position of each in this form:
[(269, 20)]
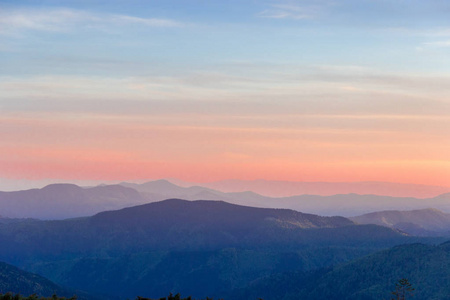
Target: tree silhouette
[(403, 288)]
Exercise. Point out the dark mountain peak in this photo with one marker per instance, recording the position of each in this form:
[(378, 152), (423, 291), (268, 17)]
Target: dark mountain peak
[(60, 191), (175, 205), (215, 214), (61, 187), (161, 183)]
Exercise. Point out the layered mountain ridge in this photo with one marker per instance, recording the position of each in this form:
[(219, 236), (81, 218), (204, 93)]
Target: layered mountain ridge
[(198, 248), (60, 201)]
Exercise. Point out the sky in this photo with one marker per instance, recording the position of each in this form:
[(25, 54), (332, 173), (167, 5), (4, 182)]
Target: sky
[(330, 91)]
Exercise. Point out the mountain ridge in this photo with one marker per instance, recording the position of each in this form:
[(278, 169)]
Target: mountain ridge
[(428, 221), (60, 201), (280, 188), (200, 248)]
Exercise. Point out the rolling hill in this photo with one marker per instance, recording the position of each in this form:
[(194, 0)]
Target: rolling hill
[(169, 224)]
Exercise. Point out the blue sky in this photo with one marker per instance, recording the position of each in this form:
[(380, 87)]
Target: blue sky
[(388, 35), (308, 84)]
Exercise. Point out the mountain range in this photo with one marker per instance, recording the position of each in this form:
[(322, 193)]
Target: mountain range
[(278, 188), (198, 248), (60, 201), (179, 224)]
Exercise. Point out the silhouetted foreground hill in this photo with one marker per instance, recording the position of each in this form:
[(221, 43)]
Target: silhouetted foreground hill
[(370, 278), (198, 248)]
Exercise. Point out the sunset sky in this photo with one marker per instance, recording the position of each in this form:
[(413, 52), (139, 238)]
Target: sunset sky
[(335, 91)]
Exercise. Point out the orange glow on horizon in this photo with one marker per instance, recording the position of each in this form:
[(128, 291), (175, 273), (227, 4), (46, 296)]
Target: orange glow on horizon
[(107, 149), (431, 173)]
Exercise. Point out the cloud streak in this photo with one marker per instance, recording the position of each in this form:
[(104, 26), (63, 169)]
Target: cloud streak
[(285, 11), (13, 22), (312, 90)]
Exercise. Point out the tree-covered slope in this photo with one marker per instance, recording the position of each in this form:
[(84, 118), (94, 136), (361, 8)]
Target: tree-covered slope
[(180, 225), (198, 273), (14, 280), (373, 277), (199, 248)]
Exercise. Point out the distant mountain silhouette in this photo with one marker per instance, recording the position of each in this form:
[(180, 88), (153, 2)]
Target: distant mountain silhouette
[(58, 201), (199, 248), (342, 204), (416, 222), (162, 189), (274, 188)]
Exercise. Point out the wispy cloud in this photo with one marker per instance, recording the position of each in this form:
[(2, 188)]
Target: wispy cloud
[(287, 11), (55, 20), (154, 22), (330, 90), (13, 22)]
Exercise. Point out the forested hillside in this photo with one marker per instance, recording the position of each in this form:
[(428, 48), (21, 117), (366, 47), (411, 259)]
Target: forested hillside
[(373, 277), (15, 280), (199, 248)]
